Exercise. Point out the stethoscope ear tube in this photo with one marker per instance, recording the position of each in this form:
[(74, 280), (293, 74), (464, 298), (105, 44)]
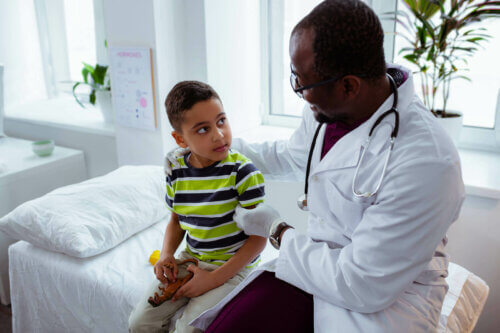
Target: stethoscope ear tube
[(394, 134), (302, 201)]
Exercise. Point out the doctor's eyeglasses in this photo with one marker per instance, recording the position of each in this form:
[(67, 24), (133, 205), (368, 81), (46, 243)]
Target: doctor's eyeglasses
[(299, 90)]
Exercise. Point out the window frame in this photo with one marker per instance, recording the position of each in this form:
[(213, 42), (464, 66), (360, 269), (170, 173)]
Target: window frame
[(471, 137), (53, 46), (271, 84), (271, 35)]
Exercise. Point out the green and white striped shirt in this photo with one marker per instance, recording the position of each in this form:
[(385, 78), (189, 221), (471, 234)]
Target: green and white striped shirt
[(205, 200)]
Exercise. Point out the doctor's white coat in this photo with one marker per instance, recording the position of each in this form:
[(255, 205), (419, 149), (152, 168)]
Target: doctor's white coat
[(373, 264)]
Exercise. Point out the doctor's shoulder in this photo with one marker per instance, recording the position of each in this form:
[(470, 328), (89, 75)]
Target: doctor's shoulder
[(422, 137)]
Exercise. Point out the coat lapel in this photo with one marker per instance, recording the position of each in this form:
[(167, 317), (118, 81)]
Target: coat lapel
[(347, 151)]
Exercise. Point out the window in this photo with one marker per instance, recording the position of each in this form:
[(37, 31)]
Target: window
[(476, 99), (283, 106), (23, 71), (56, 37)]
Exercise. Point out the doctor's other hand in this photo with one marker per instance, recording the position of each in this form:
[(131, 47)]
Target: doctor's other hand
[(166, 269), (172, 157), (257, 221)]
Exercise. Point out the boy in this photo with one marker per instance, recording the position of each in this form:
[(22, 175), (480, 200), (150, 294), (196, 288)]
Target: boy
[(202, 194)]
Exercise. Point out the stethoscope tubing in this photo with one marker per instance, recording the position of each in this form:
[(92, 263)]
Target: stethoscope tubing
[(302, 202)]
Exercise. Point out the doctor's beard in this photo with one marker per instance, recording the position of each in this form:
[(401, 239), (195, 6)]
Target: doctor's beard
[(327, 119)]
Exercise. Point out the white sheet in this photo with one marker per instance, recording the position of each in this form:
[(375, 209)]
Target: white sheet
[(53, 292)]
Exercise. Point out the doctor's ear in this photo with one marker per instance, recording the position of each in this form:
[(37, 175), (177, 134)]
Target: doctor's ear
[(351, 85), (179, 139)]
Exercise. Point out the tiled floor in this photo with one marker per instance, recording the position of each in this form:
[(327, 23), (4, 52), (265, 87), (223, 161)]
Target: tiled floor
[(5, 319)]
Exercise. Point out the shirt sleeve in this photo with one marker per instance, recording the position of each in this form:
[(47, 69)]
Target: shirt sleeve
[(249, 184), (169, 196)]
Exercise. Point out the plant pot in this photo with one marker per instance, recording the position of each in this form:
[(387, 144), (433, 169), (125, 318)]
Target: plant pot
[(452, 124), (103, 102)]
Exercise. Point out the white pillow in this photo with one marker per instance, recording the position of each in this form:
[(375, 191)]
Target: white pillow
[(91, 217)]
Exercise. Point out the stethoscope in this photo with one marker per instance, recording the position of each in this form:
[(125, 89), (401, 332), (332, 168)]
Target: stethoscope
[(302, 200)]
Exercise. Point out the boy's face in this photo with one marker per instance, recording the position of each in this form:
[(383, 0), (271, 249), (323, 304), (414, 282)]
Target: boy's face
[(205, 130)]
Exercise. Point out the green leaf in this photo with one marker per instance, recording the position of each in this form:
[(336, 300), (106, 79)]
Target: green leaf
[(411, 58), (430, 54), (85, 74), (74, 94), (89, 68), (100, 74), (92, 97), (462, 77)]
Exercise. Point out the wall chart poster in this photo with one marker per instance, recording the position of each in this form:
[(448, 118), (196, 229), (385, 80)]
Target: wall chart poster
[(132, 87)]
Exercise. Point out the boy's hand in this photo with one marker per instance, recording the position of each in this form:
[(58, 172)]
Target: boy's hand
[(162, 271), (201, 282)]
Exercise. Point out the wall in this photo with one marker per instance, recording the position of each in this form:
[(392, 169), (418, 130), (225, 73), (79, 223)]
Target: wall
[(131, 23), (173, 30)]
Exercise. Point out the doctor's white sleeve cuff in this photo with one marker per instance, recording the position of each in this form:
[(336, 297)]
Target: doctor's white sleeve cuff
[(283, 267)]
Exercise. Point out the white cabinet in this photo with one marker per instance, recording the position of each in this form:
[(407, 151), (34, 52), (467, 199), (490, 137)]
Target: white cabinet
[(25, 176)]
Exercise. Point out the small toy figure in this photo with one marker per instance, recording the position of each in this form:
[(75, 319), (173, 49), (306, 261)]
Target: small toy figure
[(167, 291)]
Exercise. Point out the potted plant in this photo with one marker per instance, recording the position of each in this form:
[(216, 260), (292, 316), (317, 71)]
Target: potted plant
[(97, 79), (441, 36)]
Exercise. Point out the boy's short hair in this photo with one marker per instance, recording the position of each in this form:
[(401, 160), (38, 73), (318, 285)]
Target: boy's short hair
[(183, 96)]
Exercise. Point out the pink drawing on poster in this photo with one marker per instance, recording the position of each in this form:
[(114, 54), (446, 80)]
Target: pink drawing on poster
[(143, 102)]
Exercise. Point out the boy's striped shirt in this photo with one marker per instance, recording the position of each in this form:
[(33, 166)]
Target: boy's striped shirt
[(205, 200)]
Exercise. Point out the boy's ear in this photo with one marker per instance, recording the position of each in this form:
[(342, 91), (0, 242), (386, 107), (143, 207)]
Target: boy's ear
[(179, 139)]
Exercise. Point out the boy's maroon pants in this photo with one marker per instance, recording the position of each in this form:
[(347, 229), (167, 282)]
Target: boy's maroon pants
[(267, 304)]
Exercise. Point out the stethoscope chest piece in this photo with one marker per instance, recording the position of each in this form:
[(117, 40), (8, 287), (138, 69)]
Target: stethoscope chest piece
[(302, 202)]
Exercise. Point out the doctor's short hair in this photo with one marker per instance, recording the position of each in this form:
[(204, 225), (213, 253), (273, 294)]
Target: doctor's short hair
[(183, 96), (348, 39)]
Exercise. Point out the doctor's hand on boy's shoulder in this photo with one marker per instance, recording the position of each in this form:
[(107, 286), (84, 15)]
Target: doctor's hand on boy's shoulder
[(201, 282), (163, 271), (171, 159)]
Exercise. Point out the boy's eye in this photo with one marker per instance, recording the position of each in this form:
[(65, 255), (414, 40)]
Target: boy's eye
[(202, 130), (221, 121)]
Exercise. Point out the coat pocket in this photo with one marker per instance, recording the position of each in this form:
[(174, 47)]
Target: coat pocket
[(347, 208)]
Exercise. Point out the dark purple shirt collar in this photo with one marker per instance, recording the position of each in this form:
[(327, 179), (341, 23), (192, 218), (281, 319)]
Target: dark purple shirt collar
[(335, 131)]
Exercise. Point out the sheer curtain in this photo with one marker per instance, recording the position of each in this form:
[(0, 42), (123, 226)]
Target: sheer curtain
[(1, 101), (20, 53)]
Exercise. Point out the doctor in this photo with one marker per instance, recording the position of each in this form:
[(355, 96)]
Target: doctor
[(373, 258)]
